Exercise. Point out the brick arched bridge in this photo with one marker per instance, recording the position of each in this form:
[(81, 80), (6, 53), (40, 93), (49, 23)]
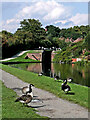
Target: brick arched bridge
[(39, 56)]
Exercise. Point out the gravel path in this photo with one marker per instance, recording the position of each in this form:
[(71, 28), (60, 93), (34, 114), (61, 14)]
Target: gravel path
[(52, 106)]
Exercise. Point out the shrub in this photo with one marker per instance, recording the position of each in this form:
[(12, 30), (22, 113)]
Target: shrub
[(87, 53)]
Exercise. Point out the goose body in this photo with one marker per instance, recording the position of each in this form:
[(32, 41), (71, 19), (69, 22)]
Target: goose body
[(28, 95), (40, 74), (27, 89), (24, 89), (65, 87), (56, 78), (24, 99)]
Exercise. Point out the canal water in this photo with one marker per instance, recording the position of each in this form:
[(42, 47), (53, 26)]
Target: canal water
[(80, 74)]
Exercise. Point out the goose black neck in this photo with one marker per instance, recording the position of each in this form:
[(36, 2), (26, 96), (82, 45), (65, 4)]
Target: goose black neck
[(30, 89), (65, 82)]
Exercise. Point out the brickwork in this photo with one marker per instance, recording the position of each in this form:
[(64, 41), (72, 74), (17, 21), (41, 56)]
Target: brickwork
[(35, 56), (38, 56)]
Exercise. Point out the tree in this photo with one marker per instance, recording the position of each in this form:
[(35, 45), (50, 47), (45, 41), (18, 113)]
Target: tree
[(86, 43), (46, 43), (6, 38), (61, 43), (53, 30), (33, 31), (24, 38)]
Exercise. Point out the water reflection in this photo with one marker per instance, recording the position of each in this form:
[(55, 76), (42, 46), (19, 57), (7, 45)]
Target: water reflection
[(37, 67), (77, 72)]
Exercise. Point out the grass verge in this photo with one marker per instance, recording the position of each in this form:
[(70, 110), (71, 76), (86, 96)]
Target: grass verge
[(80, 95), (11, 109)]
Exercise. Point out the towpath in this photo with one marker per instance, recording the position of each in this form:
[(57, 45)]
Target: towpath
[(18, 54), (15, 56), (52, 106)]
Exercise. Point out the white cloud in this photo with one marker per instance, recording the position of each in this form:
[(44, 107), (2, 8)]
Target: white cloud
[(48, 12), (79, 19), (62, 21), (55, 12), (10, 21), (10, 27)]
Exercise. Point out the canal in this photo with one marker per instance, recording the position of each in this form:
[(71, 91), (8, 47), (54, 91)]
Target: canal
[(80, 74)]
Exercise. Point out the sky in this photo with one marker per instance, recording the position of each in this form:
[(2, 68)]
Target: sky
[(49, 12)]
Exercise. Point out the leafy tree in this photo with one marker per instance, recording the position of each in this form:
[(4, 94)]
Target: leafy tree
[(32, 31), (61, 43), (87, 41), (53, 30), (31, 35), (24, 38), (6, 37), (46, 43), (62, 33)]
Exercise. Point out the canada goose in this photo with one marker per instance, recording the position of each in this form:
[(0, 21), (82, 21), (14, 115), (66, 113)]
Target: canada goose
[(27, 89), (65, 87), (56, 77), (69, 79), (25, 99), (40, 74), (65, 81)]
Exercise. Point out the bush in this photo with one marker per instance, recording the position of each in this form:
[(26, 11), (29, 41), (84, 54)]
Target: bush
[(87, 53)]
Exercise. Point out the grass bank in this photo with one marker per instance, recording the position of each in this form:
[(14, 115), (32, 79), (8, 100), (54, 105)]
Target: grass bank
[(80, 92), (21, 58), (11, 109)]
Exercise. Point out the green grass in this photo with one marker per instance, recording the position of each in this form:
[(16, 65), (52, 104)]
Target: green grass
[(49, 84), (12, 109), (21, 58)]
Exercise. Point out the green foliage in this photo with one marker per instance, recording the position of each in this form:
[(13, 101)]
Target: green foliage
[(31, 35), (77, 52), (46, 43), (61, 43), (87, 53), (7, 38), (69, 52), (86, 43), (75, 32), (33, 32), (54, 31), (52, 35), (28, 36)]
